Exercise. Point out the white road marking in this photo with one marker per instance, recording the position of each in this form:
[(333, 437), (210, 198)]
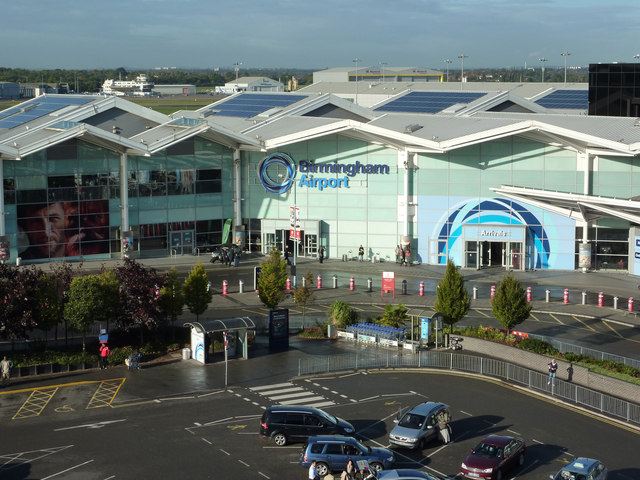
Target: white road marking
[(225, 452), (266, 387), (265, 476), (90, 425), (207, 441), (244, 463), (67, 470)]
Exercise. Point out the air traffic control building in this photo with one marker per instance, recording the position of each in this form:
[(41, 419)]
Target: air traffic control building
[(484, 177)]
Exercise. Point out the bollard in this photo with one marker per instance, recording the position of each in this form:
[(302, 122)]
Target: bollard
[(565, 297), (475, 293), (369, 285), (304, 282), (493, 291), (422, 289), (615, 303), (584, 297), (352, 283), (335, 281), (529, 294), (225, 287), (404, 287), (319, 280), (241, 286), (600, 299), (630, 304), (547, 294), (288, 283)]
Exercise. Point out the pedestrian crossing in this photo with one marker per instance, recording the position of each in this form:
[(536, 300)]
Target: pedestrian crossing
[(289, 394)]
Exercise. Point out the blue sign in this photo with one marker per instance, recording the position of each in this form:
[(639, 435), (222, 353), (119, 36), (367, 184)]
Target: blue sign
[(424, 331)]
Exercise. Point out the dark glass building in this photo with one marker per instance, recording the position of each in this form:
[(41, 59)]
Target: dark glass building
[(614, 89)]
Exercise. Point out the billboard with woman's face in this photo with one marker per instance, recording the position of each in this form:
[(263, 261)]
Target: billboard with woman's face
[(63, 229)]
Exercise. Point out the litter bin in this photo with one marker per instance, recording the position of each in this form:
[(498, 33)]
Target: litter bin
[(186, 353)]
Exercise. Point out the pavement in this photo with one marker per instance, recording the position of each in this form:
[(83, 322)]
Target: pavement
[(172, 376)]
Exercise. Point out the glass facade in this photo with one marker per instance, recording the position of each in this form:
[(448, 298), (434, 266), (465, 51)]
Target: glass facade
[(614, 89)]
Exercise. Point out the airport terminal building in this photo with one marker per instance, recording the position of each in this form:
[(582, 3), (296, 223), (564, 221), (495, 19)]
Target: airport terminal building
[(487, 178)]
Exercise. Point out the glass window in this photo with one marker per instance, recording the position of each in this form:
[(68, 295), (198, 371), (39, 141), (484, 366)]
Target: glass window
[(209, 181)]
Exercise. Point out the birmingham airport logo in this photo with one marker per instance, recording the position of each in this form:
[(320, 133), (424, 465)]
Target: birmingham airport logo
[(270, 164)]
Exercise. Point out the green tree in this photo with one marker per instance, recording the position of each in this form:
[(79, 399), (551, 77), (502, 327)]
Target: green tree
[(509, 305), (197, 294), (92, 298), (341, 314), (394, 316), (303, 295), (453, 300), (172, 299), (272, 280)]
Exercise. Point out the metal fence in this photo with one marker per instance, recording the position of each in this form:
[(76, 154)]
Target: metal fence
[(570, 392), (565, 347)]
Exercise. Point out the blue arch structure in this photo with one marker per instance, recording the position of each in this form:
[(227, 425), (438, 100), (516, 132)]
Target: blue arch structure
[(494, 211)]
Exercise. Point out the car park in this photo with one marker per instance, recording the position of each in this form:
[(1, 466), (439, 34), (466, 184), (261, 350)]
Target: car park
[(582, 469), (493, 456), (406, 474), (289, 423), (418, 426), (332, 453)]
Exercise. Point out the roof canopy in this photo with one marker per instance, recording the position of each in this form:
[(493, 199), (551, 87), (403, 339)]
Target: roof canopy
[(210, 325)]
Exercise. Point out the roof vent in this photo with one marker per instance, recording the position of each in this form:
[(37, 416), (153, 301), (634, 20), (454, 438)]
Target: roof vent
[(413, 127), (637, 122)]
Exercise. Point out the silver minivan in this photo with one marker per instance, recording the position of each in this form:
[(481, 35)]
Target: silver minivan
[(418, 426)]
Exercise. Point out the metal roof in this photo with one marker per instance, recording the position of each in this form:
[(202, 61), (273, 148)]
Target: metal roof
[(210, 325)]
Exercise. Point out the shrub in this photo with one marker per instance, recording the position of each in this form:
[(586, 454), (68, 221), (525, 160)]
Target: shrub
[(312, 332), (538, 346)]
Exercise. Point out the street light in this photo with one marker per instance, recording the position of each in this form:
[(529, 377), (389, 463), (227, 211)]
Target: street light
[(237, 65), (565, 54), (543, 60), (383, 64), (447, 61), (356, 60), (462, 56), (636, 56)]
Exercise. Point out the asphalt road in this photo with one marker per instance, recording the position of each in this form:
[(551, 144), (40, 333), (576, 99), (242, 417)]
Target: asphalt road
[(214, 434)]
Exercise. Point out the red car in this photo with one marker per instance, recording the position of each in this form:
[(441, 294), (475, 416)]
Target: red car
[(492, 457)]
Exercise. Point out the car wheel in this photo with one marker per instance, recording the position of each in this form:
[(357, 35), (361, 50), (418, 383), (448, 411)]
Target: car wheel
[(322, 469), (521, 459), (280, 439), (376, 466), (499, 475)]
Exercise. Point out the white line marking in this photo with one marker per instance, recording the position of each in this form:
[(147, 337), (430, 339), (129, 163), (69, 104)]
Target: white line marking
[(67, 470), (305, 399), (264, 475), (197, 424), (90, 425), (205, 440), (369, 398), (467, 414), (537, 441), (176, 398), (300, 394), (321, 404), (244, 463), (213, 393), (513, 431), (348, 375), (281, 390), (226, 453), (266, 387)]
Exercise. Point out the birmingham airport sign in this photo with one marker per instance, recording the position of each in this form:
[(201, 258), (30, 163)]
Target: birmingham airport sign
[(308, 170)]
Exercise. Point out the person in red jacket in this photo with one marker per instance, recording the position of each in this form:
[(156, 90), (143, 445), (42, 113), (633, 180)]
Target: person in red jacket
[(104, 353)]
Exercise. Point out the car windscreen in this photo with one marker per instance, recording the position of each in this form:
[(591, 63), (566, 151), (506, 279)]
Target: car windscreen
[(411, 420), (486, 450), (329, 417)]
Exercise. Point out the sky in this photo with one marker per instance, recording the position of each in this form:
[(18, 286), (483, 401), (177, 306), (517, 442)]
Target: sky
[(316, 34)]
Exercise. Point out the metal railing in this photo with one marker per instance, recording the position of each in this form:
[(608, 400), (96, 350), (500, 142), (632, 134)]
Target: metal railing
[(606, 404)]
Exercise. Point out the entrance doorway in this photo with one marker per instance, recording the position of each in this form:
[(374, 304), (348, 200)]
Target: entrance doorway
[(181, 242), (492, 254), (283, 240)]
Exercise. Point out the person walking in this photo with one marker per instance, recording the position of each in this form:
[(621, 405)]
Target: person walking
[(361, 253), (5, 369), (553, 368), (443, 426), (104, 353), (313, 473), (398, 253), (286, 255), (321, 254), (403, 254)]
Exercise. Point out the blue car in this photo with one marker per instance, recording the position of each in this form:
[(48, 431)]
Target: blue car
[(582, 469)]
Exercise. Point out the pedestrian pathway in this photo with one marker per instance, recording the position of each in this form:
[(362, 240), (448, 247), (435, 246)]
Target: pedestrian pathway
[(289, 394)]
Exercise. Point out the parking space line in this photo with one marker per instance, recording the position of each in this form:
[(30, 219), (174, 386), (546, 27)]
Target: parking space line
[(105, 393), (587, 326), (612, 329), (35, 404), (556, 319), (531, 315), (481, 313)]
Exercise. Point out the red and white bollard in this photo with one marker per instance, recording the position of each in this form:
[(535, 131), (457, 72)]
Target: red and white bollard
[(225, 287), (600, 299), (566, 295), (288, 283), (352, 283), (493, 291), (630, 304), (529, 294), (319, 284), (422, 289)]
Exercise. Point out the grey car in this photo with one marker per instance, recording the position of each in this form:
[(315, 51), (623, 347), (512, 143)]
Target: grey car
[(418, 426), (406, 474), (332, 453)]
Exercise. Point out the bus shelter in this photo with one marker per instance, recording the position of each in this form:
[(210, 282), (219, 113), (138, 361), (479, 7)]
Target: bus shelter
[(234, 332)]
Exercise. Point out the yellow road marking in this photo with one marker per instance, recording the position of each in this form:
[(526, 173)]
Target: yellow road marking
[(534, 317), (390, 403), (64, 408), (556, 319), (35, 404), (614, 330), (482, 313), (236, 427), (589, 327), (105, 393), (22, 390)]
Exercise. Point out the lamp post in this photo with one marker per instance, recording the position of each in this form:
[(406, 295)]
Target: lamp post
[(356, 60), (382, 64), (542, 60), (462, 56), (565, 54), (636, 56), (237, 69), (447, 61)]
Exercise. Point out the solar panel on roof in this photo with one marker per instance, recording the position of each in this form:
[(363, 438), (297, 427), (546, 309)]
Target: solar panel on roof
[(428, 102), (251, 104), (575, 99), (36, 108)]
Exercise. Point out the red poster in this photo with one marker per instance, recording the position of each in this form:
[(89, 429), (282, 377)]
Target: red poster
[(388, 283)]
